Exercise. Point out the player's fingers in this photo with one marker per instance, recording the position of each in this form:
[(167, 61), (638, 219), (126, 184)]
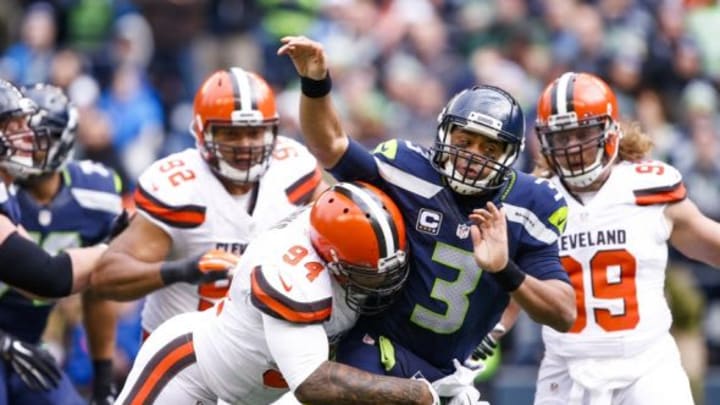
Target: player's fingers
[(497, 213), (475, 234)]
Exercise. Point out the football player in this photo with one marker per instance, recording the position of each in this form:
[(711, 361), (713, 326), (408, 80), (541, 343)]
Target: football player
[(21, 154), (624, 209), (63, 204), (199, 208), (297, 288), (480, 232)]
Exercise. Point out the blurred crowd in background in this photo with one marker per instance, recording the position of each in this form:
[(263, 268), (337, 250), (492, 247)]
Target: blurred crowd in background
[(133, 66)]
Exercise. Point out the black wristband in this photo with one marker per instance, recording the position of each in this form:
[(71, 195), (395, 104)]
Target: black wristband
[(173, 271), (102, 373), (510, 277), (315, 88)]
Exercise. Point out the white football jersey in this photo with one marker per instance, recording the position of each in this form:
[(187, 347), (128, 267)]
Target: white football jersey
[(182, 196), (282, 276), (615, 251)]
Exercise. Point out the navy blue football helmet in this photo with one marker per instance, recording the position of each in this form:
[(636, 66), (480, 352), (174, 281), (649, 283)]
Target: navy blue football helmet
[(486, 111), (56, 119), (21, 152)]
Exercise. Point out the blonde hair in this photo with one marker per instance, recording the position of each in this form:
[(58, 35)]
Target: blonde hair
[(635, 145)]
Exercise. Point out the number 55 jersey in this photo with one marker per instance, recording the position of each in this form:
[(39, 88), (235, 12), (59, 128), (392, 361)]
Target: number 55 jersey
[(615, 251)]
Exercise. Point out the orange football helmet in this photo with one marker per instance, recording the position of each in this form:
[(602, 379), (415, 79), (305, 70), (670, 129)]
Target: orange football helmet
[(359, 231), (231, 99), (577, 114)]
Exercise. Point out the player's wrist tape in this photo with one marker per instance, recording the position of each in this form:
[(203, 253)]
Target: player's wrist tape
[(177, 270), (510, 277), (315, 88), (102, 373)]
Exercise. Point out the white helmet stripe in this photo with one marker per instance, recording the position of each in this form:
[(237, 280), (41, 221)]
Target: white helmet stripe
[(243, 81), (378, 214), (562, 91)]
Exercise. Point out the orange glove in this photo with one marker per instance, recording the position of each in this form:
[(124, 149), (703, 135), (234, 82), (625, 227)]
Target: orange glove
[(210, 266)]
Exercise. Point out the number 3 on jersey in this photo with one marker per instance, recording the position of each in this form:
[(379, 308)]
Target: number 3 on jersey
[(612, 290)]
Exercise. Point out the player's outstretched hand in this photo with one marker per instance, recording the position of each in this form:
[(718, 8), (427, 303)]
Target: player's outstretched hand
[(35, 366), (489, 237), (210, 266), (307, 55)]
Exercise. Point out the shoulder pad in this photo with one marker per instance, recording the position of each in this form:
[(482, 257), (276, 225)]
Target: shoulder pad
[(91, 175), (294, 169), (297, 293), (406, 165), (653, 182), (168, 191), (395, 148), (536, 204), (94, 186)]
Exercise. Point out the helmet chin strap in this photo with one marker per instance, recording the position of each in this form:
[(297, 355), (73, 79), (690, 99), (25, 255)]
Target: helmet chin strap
[(462, 188), (586, 179), (20, 167), (251, 175)]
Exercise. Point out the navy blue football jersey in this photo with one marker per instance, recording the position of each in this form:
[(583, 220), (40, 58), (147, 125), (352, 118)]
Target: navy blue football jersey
[(449, 304), (79, 215)]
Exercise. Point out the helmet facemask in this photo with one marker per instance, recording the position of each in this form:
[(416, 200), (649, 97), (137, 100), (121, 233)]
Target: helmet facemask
[(61, 134), (371, 290), (235, 124), (229, 160), (468, 172), (579, 151), (24, 151), (360, 234)]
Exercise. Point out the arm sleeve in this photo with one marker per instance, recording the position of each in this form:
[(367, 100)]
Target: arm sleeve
[(297, 349), (356, 164), (25, 265), (542, 263)]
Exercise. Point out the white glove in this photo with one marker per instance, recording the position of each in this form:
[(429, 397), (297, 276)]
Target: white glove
[(455, 384), (469, 395)]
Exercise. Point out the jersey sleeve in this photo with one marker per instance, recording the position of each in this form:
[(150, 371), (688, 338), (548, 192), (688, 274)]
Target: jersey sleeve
[(298, 349), (169, 204), (357, 163), (543, 218), (655, 182), (291, 293), (305, 169), (94, 186)]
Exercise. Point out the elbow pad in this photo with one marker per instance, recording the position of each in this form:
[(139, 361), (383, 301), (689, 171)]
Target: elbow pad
[(25, 265)]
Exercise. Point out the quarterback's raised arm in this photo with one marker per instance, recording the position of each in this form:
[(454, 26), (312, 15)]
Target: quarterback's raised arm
[(321, 126)]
